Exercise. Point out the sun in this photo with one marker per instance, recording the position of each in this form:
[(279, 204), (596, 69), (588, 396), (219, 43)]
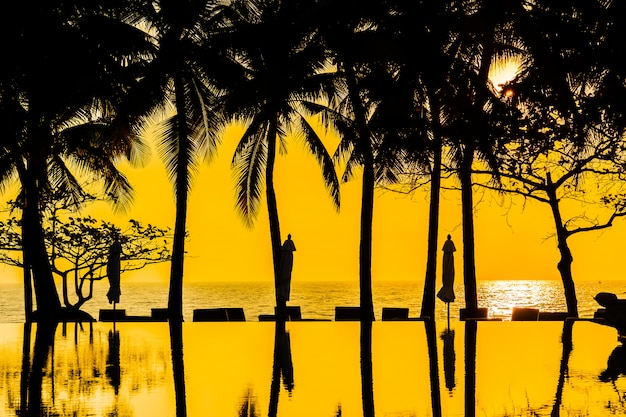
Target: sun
[(502, 71)]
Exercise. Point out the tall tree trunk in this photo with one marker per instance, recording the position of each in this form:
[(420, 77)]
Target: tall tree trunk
[(34, 247), (28, 286), (272, 207), (565, 264), (175, 301), (430, 281), (365, 248), (364, 146), (467, 204), (465, 172)]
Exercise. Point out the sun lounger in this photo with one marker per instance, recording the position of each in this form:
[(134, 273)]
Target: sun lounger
[(395, 313), (347, 313), (219, 314), (524, 314)]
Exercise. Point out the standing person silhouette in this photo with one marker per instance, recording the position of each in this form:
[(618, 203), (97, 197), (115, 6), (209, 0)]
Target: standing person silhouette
[(283, 287)]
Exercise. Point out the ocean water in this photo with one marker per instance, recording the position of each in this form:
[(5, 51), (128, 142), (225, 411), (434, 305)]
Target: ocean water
[(318, 299)]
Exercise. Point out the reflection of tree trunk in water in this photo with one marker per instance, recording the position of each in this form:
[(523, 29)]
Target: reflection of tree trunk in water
[(435, 394), (44, 341), (178, 367), (282, 368), (471, 328), (367, 378), (25, 367), (566, 340), (275, 386)]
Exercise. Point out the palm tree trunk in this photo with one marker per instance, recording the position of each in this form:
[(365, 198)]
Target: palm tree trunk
[(467, 204), (272, 207), (34, 248), (565, 264), (428, 298), (365, 249), (28, 286), (175, 301), (364, 146)]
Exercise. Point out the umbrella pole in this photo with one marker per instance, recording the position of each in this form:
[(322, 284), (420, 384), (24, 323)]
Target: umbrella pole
[(448, 315), (115, 316)]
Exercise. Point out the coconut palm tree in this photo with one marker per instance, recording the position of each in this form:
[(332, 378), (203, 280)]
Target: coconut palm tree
[(349, 33), (59, 91), (281, 67), (176, 82), (475, 130), (423, 34)]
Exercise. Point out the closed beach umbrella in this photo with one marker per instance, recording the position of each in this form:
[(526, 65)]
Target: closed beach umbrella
[(113, 272), (446, 293), (284, 272)]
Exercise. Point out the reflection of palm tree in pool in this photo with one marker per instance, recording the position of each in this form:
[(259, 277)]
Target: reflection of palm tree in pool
[(25, 366), (431, 341), (282, 367), (178, 367), (367, 379), (471, 328), (44, 341)]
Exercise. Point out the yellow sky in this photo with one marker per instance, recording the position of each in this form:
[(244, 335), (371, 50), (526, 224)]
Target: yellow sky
[(512, 241)]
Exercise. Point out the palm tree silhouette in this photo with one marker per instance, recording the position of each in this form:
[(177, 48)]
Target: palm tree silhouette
[(176, 79), (282, 67), (60, 91), (474, 113), (362, 61)]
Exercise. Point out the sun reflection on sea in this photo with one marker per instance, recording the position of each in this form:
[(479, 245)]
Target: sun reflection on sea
[(501, 296)]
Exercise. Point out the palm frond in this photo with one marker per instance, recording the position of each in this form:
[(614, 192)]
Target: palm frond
[(176, 151), (318, 150), (249, 169)]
